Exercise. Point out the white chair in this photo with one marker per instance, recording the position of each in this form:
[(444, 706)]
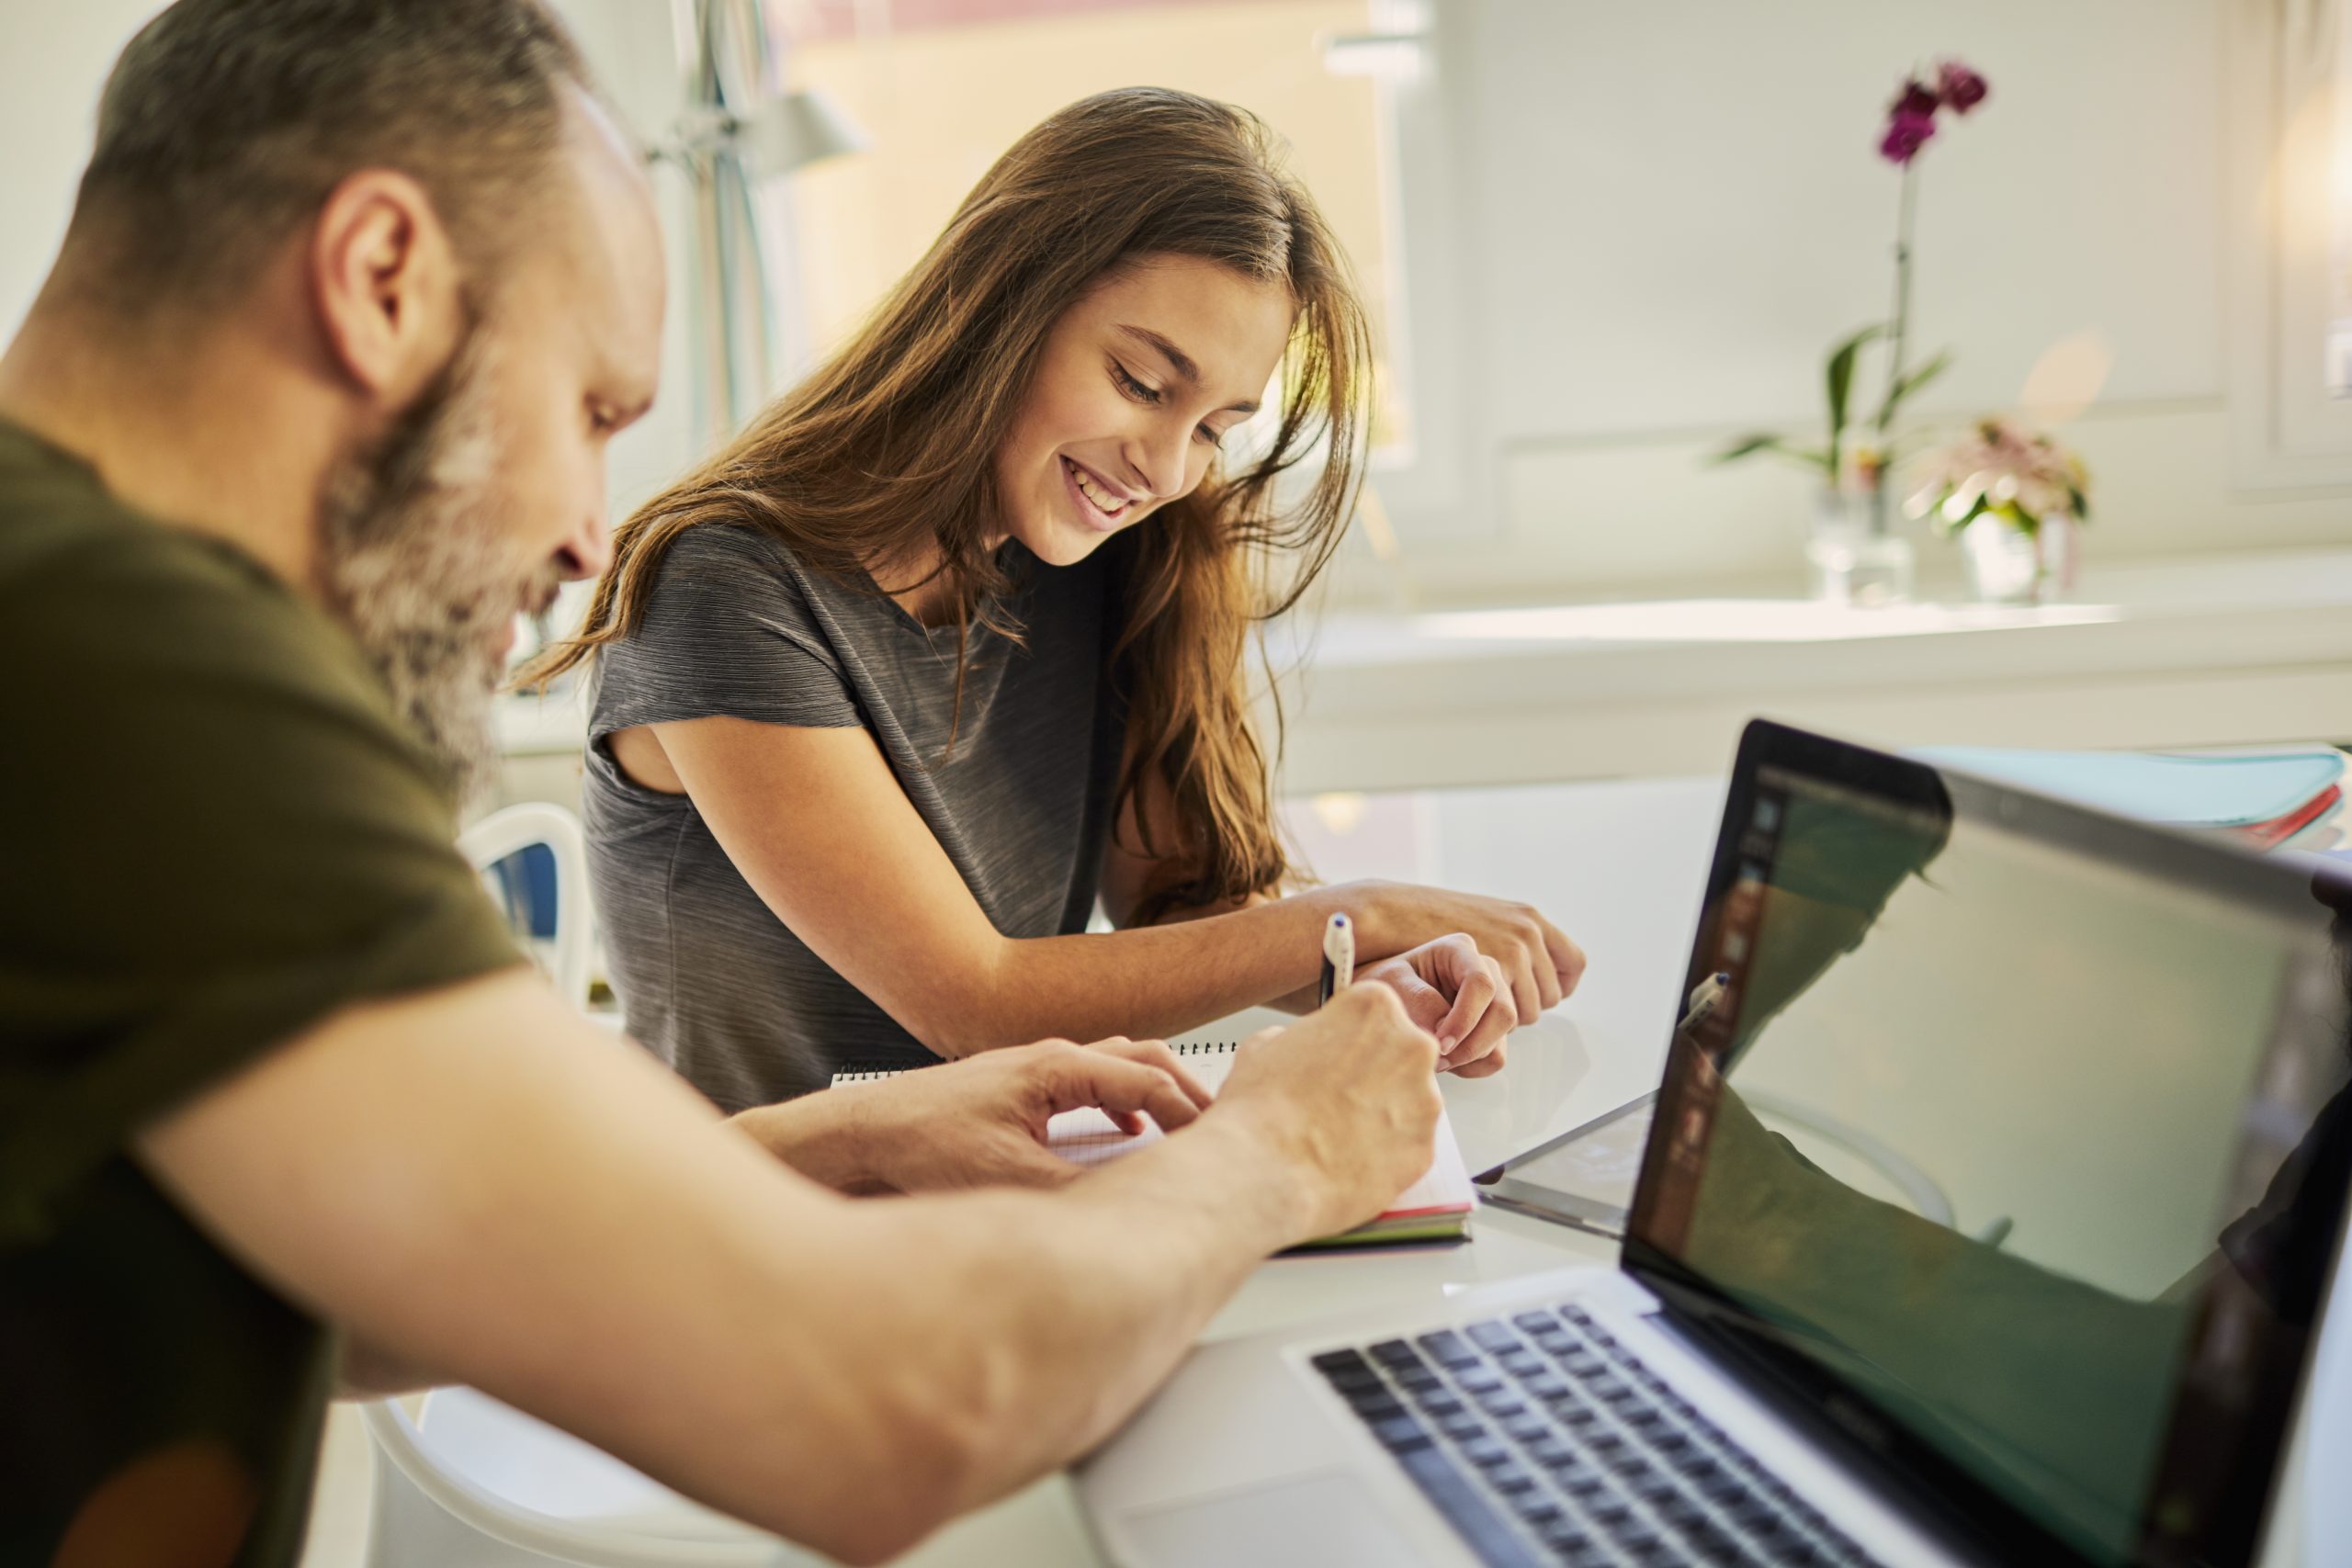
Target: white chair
[(504, 834), (466, 1482), (474, 1483)]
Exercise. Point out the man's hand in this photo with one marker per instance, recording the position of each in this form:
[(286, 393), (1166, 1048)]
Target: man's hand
[(1458, 993), (1350, 1094), (980, 1121)]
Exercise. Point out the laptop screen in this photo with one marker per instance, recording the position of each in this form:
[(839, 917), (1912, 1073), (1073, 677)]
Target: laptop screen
[(2011, 1139)]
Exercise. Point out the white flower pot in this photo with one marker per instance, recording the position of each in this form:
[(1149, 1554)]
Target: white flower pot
[(2008, 565)]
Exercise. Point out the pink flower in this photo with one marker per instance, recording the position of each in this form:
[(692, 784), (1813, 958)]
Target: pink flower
[(1959, 88), (1905, 134), (2022, 476)]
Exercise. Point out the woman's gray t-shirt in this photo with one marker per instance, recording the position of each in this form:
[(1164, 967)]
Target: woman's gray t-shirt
[(707, 976)]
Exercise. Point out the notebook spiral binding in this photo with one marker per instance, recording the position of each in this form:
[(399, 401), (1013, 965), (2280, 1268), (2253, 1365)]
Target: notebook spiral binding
[(874, 1072)]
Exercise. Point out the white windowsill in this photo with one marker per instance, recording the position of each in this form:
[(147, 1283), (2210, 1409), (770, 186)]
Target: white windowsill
[(2204, 650)]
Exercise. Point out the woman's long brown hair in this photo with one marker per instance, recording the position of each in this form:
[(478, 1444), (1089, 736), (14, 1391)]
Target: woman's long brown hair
[(886, 454)]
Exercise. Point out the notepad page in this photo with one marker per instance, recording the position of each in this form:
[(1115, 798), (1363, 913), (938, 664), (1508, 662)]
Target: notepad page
[(1446, 1184)]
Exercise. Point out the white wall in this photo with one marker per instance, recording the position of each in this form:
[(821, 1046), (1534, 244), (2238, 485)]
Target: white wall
[(1630, 230), (53, 59), (1649, 221)]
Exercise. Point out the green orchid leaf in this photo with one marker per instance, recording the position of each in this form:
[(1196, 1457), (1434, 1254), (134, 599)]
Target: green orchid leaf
[(1913, 380), (1748, 446), (1839, 376)]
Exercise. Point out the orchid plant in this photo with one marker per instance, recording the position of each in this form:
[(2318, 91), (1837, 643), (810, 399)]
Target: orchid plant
[(1911, 124)]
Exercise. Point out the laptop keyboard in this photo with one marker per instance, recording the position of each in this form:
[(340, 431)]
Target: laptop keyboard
[(1543, 1440)]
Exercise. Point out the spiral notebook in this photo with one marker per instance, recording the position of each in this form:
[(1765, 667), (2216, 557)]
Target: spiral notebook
[(1435, 1208)]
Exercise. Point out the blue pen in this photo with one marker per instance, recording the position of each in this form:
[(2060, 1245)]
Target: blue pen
[(1338, 958)]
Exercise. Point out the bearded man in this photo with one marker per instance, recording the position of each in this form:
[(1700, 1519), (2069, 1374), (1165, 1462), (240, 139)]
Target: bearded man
[(314, 402)]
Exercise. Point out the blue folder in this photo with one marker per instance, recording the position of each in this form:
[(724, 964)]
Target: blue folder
[(2204, 792)]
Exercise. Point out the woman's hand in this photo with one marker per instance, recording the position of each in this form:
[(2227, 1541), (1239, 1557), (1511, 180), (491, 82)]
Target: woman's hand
[(1539, 963), (1456, 993)]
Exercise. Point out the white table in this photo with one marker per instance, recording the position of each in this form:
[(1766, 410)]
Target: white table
[(1621, 866)]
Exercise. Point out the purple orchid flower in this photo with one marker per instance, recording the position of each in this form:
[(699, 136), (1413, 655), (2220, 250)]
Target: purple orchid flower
[(1906, 132), (1961, 88), (1916, 98)]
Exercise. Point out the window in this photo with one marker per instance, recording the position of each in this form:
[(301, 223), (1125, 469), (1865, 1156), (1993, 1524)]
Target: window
[(2337, 366), (2291, 239), (942, 87)]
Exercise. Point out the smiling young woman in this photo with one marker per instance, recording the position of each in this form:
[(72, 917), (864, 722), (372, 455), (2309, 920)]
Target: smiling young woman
[(951, 641)]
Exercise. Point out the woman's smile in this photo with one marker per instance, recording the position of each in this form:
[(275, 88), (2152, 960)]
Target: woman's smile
[(1100, 506)]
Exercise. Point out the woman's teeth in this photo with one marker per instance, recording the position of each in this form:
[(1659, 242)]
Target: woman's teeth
[(1110, 506)]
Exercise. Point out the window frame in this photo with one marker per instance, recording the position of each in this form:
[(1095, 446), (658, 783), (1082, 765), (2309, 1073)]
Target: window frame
[(2280, 56)]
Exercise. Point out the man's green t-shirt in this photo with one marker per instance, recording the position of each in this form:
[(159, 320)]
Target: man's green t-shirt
[(217, 835)]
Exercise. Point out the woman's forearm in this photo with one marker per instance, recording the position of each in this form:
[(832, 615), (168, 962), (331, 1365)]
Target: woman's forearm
[(1150, 980), (1162, 979)]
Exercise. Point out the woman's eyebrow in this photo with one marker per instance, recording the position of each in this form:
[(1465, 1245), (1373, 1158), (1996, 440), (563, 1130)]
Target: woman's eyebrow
[(1178, 360), (1181, 362)]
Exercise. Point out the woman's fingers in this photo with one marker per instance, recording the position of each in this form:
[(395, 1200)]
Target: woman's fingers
[(1519, 973), (1547, 979), (1567, 958), (1493, 1025), (1477, 982)]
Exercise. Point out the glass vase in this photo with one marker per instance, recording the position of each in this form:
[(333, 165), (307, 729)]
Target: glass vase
[(1856, 561), (2009, 565)]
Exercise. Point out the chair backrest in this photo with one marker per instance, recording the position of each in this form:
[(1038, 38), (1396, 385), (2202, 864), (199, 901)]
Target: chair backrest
[(504, 834), (476, 1481)]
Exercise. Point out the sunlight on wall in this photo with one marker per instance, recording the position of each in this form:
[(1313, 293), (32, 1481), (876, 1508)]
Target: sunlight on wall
[(942, 104)]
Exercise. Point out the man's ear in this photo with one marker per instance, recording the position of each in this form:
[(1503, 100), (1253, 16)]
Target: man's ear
[(384, 282)]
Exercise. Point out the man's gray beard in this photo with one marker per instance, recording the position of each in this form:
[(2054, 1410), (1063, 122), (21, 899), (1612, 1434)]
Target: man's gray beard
[(411, 560)]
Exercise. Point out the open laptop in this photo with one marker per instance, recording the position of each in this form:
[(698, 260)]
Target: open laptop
[(1987, 1216)]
